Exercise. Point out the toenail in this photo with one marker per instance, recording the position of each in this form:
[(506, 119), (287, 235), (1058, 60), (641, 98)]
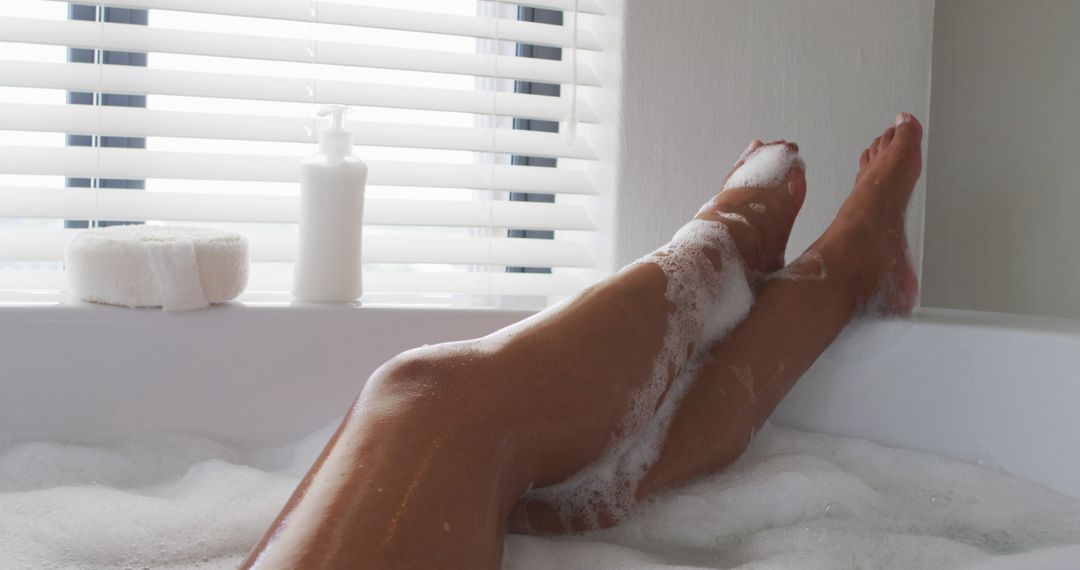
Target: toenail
[(901, 118)]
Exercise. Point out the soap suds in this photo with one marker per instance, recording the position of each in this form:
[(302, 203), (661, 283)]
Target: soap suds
[(766, 167), (758, 207), (745, 377), (887, 293), (732, 217), (796, 500), (800, 500), (809, 266), (706, 302), (158, 501)]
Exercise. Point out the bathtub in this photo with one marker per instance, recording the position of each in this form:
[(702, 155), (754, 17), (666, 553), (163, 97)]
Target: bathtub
[(979, 387)]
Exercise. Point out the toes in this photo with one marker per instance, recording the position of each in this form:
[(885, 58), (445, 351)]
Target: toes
[(754, 145), (796, 187), (795, 164), (874, 148), (886, 138), (908, 128), (864, 159), (792, 146)]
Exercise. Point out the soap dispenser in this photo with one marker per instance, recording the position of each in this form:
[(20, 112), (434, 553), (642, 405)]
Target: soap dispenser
[(327, 268)]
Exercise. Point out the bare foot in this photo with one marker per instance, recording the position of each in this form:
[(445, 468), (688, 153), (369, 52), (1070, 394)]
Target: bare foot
[(760, 219), (866, 241)]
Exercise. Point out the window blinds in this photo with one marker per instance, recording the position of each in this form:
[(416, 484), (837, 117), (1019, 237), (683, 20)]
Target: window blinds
[(230, 91)]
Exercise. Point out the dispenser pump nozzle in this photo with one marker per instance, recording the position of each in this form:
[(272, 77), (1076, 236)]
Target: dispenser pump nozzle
[(336, 141), (337, 115)]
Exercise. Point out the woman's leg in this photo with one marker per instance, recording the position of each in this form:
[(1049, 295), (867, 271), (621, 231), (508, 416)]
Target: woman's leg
[(442, 442), (860, 264)]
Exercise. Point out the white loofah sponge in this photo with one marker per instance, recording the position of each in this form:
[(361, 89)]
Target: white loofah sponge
[(177, 268)]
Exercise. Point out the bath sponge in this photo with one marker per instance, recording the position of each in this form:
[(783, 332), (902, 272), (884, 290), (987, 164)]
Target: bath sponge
[(177, 268)]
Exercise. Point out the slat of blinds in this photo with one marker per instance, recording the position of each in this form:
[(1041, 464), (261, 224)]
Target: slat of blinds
[(385, 18), (273, 278), (127, 205), (270, 245), (140, 164), (124, 37), (135, 121), (142, 80)]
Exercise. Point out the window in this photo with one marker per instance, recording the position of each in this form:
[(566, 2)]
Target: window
[(196, 112)]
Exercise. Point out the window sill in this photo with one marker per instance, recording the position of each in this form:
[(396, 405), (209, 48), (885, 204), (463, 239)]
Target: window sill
[(55, 300), (53, 307)]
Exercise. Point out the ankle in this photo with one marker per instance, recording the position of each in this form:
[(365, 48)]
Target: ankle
[(847, 250), (748, 241)]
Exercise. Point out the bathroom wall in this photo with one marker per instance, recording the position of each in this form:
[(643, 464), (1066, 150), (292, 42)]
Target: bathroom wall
[(701, 78), (1003, 190)]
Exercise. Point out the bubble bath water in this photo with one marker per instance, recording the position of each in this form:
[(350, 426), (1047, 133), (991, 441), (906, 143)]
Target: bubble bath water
[(796, 500)]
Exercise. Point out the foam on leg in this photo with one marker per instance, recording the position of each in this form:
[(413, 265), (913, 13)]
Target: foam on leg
[(745, 377), (809, 266), (707, 301)]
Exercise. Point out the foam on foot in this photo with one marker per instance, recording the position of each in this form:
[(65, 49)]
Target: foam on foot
[(765, 167)]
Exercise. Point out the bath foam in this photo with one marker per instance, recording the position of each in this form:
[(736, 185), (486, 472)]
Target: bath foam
[(707, 303), (765, 167), (886, 290), (160, 501), (799, 500), (732, 217), (795, 501), (809, 266), (744, 375)]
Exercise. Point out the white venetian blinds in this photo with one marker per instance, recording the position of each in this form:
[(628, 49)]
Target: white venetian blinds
[(197, 111)]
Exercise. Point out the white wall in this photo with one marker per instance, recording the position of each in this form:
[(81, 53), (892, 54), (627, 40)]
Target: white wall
[(701, 78), (1001, 230)]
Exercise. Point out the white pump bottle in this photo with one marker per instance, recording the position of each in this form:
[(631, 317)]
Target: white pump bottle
[(331, 216)]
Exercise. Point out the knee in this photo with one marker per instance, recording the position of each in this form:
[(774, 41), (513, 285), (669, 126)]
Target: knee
[(414, 367), (439, 380)]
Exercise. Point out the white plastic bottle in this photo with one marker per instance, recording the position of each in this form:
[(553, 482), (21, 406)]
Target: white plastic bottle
[(331, 216)]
